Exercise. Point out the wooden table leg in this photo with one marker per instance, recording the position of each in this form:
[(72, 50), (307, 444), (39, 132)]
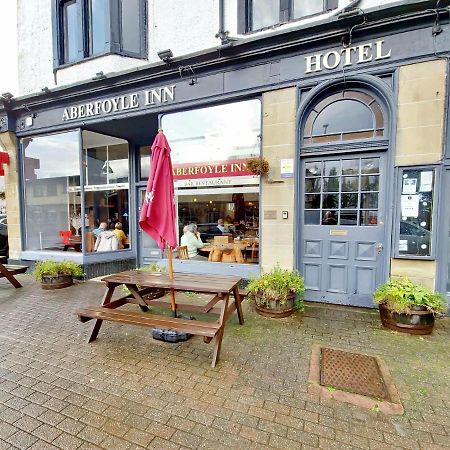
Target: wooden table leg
[(134, 291), (237, 301), (219, 335), (9, 276), (98, 323)]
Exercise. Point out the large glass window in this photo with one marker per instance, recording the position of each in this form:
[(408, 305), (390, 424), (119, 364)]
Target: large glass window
[(51, 178), (266, 13), (415, 227), (93, 27), (106, 190), (214, 189)]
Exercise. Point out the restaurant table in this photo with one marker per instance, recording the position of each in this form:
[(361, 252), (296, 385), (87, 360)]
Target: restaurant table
[(145, 288)]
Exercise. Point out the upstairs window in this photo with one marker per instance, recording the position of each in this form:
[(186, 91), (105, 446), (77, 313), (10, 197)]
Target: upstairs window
[(86, 28), (261, 14)]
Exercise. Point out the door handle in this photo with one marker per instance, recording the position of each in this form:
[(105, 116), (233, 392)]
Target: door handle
[(379, 248)]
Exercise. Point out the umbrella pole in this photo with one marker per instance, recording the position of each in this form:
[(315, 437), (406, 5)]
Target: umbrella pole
[(172, 292)]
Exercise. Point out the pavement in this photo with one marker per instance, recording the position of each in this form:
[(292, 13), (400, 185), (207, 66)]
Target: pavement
[(128, 391)]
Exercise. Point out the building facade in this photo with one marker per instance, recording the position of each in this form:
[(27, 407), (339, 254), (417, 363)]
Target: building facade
[(346, 100)]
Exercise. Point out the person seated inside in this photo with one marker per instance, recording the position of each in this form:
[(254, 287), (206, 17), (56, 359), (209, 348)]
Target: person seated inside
[(191, 239), (102, 227), (229, 225), (106, 241), (221, 226), (121, 236)]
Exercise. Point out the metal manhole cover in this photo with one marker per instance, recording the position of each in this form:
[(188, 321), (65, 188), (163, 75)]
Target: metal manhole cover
[(352, 372)]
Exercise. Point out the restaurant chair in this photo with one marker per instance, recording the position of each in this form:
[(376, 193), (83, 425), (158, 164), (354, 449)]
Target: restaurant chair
[(182, 251), (65, 236)]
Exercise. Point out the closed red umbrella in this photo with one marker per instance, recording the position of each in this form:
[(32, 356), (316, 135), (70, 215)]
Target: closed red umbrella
[(158, 211)]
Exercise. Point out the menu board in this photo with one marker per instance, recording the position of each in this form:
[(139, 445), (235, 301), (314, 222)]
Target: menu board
[(416, 212)]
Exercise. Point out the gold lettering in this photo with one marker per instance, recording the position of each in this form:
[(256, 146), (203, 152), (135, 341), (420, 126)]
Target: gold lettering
[(326, 60), (224, 168), (364, 55), (313, 63), (347, 52), (379, 51), (190, 170)]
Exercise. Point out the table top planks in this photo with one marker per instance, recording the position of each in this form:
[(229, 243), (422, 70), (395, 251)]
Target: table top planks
[(181, 281)]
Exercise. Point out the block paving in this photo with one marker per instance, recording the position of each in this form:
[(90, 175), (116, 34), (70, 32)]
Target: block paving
[(127, 391)]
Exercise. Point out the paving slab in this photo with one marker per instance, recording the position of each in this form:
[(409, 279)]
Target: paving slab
[(128, 391)]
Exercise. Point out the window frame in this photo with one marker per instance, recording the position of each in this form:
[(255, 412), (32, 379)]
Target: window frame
[(398, 213), (113, 34), (245, 16)]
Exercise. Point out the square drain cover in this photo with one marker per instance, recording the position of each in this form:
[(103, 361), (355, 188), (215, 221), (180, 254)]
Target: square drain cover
[(351, 377), (352, 372)]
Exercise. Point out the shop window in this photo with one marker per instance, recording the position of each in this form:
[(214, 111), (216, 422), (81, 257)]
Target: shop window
[(414, 227), (47, 215), (261, 14), (344, 116), (84, 28), (53, 194), (106, 190), (213, 188)]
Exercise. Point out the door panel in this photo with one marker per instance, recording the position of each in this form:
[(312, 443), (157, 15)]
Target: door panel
[(342, 228)]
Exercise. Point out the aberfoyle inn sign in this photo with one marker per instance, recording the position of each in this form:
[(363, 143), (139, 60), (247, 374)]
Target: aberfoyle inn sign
[(348, 56)]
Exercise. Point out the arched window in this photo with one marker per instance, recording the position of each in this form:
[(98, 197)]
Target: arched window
[(344, 116)]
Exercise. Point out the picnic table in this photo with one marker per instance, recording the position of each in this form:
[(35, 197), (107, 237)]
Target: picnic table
[(9, 270), (146, 288)]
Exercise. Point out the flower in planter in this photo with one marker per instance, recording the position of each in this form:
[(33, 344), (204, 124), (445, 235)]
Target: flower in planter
[(258, 166)]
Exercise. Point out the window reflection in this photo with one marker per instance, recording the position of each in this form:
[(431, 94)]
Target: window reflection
[(98, 17), (51, 195)]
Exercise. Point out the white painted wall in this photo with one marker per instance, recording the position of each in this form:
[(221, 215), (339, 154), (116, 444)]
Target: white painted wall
[(183, 26)]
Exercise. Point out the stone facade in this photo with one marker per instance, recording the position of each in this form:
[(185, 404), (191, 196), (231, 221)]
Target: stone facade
[(278, 130)]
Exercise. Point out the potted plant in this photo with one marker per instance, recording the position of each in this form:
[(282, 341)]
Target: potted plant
[(277, 293), (56, 274), (408, 307), (258, 166)]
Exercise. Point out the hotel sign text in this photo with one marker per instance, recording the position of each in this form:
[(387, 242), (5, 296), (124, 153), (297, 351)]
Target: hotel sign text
[(363, 53), (150, 97)]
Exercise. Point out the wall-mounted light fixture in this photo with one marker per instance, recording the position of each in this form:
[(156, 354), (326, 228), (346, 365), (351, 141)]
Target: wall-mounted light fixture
[(45, 90), (165, 55), (351, 13)]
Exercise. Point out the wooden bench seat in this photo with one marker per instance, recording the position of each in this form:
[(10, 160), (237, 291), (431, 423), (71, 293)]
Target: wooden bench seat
[(9, 270), (149, 320)]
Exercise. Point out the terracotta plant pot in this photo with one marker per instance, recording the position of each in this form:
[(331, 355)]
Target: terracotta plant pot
[(58, 282), (275, 309), (420, 321)]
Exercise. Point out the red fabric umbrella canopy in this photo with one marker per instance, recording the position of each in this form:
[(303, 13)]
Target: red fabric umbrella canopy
[(158, 211)]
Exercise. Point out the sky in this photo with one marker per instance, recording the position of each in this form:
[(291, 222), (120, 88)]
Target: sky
[(8, 60)]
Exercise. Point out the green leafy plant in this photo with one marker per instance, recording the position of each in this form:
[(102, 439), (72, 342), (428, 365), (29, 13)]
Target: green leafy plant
[(258, 166), (276, 285), (402, 295), (49, 268)]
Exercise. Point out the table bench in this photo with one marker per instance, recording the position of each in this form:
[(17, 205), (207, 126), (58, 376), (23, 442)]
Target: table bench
[(145, 290), (9, 270)]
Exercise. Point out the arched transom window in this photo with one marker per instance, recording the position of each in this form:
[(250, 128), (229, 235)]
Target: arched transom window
[(344, 116)]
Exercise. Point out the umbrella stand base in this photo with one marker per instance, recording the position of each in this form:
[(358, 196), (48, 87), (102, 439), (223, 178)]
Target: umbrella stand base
[(171, 335)]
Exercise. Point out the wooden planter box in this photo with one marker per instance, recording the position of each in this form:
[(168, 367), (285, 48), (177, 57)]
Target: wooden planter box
[(420, 321), (58, 282), (275, 308)]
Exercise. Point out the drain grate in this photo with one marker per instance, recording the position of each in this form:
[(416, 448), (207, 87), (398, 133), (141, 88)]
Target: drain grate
[(352, 372)]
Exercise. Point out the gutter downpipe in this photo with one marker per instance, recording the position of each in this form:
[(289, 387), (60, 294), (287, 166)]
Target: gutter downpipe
[(222, 34)]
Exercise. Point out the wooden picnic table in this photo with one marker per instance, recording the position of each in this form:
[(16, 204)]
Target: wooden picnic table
[(145, 289), (9, 270)]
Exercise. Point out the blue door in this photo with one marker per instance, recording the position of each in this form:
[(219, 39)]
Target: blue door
[(343, 228)]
